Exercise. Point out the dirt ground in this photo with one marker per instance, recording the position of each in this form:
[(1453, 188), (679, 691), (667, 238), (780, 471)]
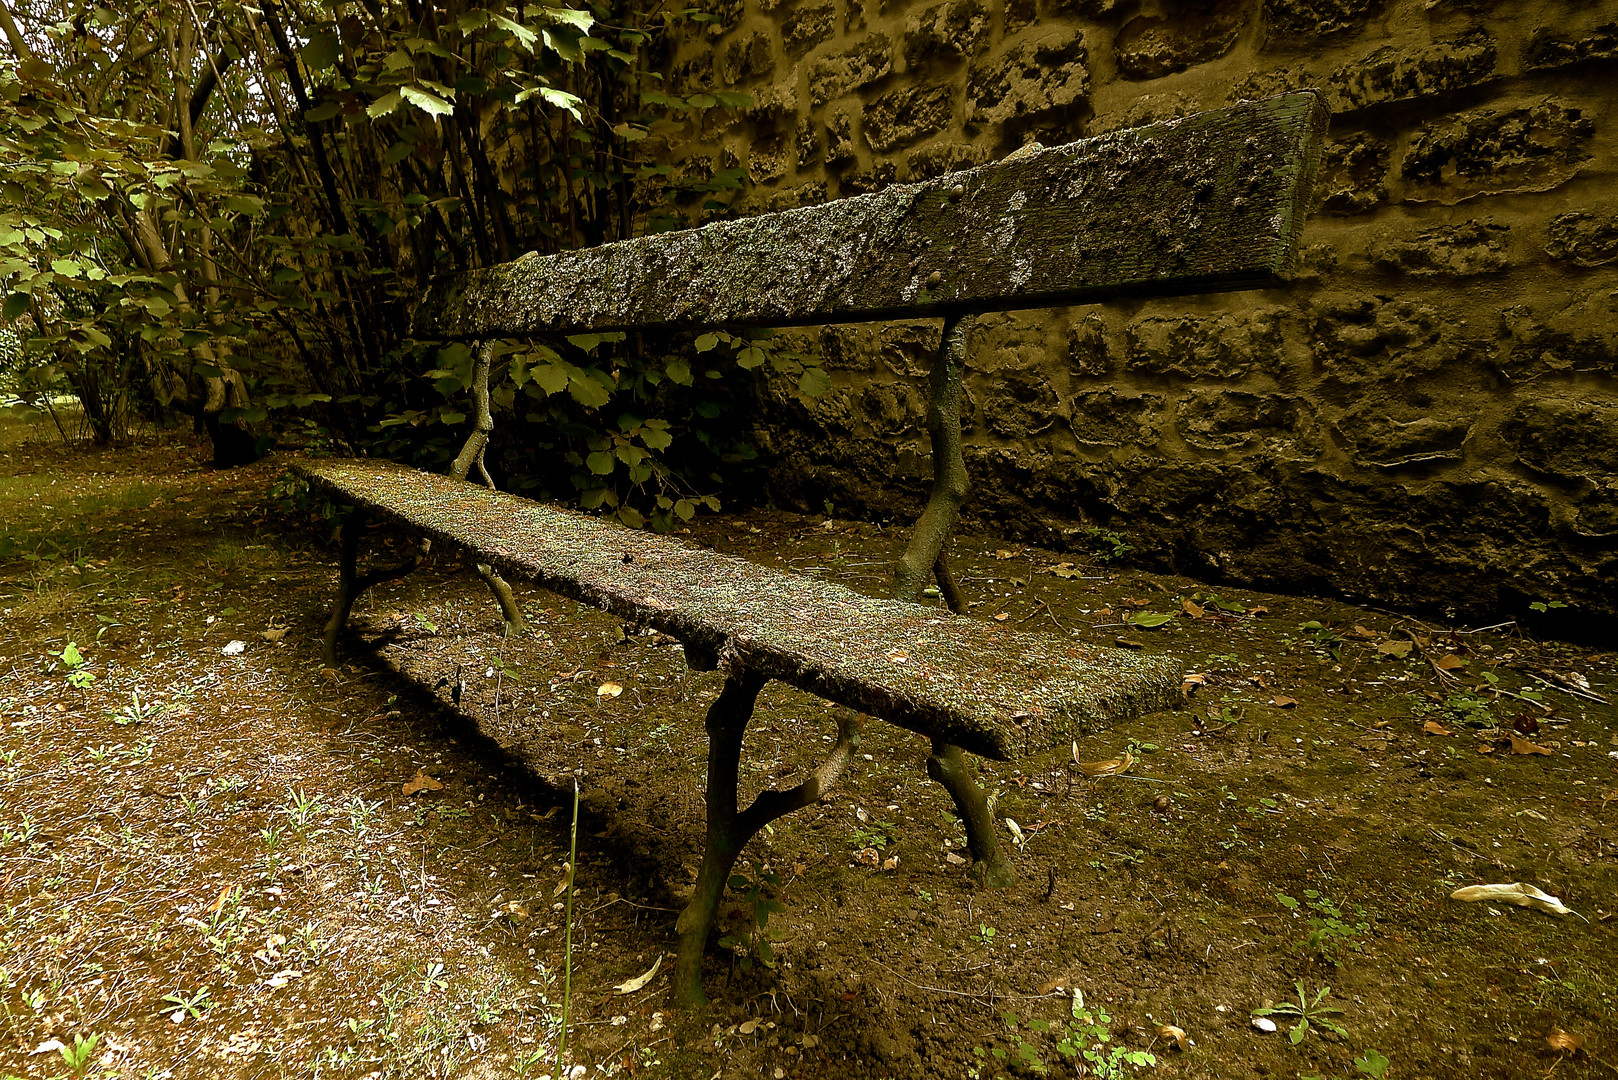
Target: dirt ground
[(219, 859)]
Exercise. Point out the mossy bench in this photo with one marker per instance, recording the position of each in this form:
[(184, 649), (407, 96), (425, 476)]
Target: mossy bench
[(1212, 202)]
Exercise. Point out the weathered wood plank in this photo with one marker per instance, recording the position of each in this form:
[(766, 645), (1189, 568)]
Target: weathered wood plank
[(1208, 203), (980, 685)]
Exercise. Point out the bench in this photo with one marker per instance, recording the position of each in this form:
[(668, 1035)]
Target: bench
[(1212, 202)]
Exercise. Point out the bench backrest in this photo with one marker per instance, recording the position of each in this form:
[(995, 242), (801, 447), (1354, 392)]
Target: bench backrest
[(1208, 203)]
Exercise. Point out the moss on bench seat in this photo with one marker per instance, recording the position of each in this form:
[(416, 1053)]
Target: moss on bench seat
[(983, 686)]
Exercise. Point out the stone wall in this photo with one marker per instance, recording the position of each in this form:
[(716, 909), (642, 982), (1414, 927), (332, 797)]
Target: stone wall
[(1428, 417)]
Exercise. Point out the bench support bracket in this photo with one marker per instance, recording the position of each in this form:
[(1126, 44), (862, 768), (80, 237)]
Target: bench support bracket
[(729, 830)]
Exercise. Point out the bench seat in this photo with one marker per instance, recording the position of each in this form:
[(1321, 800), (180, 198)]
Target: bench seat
[(990, 689)]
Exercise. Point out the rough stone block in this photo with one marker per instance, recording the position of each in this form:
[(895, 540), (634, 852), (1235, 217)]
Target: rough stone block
[(1584, 237), (1041, 72), (833, 76), (1361, 341), (946, 32), (1087, 350), (1109, 418), (1352, 175), (1473, 247), (1147, 109), (1229, 420), (806, 26), (848, 348), (1018, 14), (1567, 438), (1316, 18), (939, 158), (1551, 48), (1578, 337), (1529, 147), (880, 175), (746, 56), (1150, 47), (767, 159), (1226, 346), (1019, 404), (808, 142), (1388, 442), (1596, 515), (1390, 74), (907, 114), (840, 139), (891, 409)]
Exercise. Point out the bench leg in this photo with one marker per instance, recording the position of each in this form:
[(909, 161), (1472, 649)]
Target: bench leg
[(924, 559), (729, 830), (351, 584)]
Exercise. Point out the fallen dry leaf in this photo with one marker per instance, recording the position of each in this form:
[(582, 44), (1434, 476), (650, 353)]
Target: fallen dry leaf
[(1129, 643), (220, 900), (235, 648), (1258, 609), (1108, 768), (421, 782), (1281, 701), (1001, 617), (1004, 554), (868, 857), (1362, 632), (1433, 727), (1519, 893), (1175, 1035), (274, 635), (46, 1047), (1191, 684), (1193, 609), (1395, 648), (890, 863), (1565, 1041), (639, 980), (1520, 745), (608, 690), (1449, 662), (954, 859)]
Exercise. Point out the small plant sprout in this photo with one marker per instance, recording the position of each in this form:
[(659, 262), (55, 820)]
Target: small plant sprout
[(178, 1005), (752, 940), (77, 1056), (1308, 1012), (75, 662), (302, 808)]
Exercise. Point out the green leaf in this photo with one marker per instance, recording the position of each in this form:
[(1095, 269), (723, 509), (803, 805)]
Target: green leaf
[(679, 371), (321, 51), (601, 463), (383, 105), (814, 382), (1372, 1063), (1148, 620), (707, 342), (449, 416), (522, 33), (323, 112), (631, 517), (16, 304), (734, 99), (431, 104), (551, 378), (582, 20)]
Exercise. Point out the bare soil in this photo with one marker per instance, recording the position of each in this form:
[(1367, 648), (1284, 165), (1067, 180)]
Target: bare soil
[(218, 859)]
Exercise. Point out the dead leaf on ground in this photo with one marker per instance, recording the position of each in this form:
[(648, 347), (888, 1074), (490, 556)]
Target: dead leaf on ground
[(1003, 554), (1519, 893), (275, 634), (954, 859), (221, 899), (1176, 1036), (1433, 727), (868, 857), (1449, 662), (639, 980), (1067, 571), (1565, 1041), (1193, 609), (1281, 701), (1002, 617), (1112, 767), (421, 782), (1191, 684), (1520, 745), (1129, 643), (609, 690), (1399, 649), (1362, 632)]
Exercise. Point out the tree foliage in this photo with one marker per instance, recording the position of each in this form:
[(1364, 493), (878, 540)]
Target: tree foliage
[(226, 209)]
